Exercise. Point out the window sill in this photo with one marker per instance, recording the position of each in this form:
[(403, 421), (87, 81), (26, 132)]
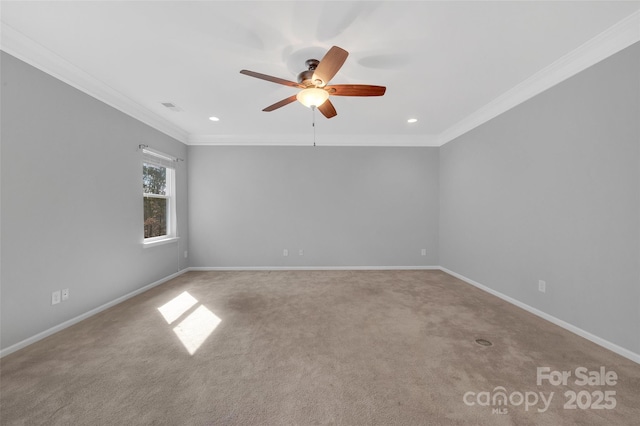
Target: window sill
[(155, 243)]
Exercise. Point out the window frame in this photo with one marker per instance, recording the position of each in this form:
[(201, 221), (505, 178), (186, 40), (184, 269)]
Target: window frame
[(156, 159)]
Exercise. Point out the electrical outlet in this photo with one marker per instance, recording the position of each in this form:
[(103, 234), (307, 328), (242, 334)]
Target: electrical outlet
[(423, 252), (542, 286), (285, 252), (55, 297), (301, 252), (65, 294)]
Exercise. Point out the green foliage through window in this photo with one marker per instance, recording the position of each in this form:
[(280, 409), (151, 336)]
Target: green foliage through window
[(156, 200), (154, 179)]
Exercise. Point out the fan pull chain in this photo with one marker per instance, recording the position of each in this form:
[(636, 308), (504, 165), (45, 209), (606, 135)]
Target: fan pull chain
[(313, 123)]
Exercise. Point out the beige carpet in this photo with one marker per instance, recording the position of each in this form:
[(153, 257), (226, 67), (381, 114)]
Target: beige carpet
[(312, 348)]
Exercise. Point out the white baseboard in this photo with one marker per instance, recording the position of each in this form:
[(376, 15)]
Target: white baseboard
[(570, 327), (72, 321), (310, 268), (576, 330)]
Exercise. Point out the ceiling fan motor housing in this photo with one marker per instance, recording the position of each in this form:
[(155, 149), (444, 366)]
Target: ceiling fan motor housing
[(306, 77)]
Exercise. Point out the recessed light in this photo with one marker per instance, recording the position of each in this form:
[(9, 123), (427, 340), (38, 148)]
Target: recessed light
[(214, 119), (412, 120)]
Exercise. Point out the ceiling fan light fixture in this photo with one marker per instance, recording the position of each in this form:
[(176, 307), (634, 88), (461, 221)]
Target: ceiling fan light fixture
[(313, 82), (312, 97)]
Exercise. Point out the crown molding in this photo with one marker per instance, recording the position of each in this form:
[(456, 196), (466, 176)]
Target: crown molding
[(22, 47), (321, 140), (609, 42), (621, 35)]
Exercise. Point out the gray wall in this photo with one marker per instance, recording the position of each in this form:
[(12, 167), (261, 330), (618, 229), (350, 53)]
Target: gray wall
[(344, 206), (550, 190), (71, 203)]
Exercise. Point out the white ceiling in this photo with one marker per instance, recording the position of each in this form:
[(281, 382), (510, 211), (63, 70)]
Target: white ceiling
[(451, 65)]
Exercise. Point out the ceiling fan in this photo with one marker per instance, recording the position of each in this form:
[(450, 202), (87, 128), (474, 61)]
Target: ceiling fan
[(314, 84)]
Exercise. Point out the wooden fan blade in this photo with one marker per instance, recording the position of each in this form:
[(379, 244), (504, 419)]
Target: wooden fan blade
[(330, 64), (327, 109), (280, 104), (270, 78), (355, 90)]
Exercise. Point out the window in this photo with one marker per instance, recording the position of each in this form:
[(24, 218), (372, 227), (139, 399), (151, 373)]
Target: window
[(158, 186)]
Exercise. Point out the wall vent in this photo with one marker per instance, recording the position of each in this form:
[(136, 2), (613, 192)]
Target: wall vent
[(171, 106)]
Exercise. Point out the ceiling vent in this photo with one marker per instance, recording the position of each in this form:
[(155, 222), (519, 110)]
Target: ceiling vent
[(171, 106)]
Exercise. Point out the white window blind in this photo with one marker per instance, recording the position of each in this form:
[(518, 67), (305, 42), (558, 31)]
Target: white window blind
[(157, 158)]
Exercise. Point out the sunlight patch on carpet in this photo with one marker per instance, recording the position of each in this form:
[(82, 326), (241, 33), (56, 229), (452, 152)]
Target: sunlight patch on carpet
[(177, 306), (196, 327)]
